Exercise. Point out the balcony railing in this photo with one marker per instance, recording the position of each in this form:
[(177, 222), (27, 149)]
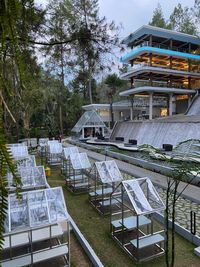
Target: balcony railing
[(163, 46), (140, 83), (138, 66)]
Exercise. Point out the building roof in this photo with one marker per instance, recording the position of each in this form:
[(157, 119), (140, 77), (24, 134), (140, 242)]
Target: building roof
[(89, 119), (79, 161), (116, 105), (143, 196), (148, 49), (108, 171), (139, 34), (139, 101), (161, 90), (35, 208)]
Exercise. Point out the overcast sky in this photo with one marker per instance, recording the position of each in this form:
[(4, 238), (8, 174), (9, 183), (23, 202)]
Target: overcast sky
[(133, 13)]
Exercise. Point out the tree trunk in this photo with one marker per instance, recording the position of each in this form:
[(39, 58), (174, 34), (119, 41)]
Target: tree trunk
[(173, 222), (61, 120), (26, 122), (167, 210), (63, 83), (111, 114), (90, 87)]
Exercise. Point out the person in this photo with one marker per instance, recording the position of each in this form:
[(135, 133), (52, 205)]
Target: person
[(97, 134)]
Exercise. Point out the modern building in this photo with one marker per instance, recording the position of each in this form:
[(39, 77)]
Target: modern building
[(162, 63), (128, 110)]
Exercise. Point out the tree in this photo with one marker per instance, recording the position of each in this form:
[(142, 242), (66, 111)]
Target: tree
[(95, 39), (113, 83), (182, 172), (181, 20), (158, 19), (9, 47)]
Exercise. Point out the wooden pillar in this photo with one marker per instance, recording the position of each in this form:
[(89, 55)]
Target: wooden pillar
[(150, 105), (189, 82), (150, 40), (150, 79), (170, 62), (189, 65), (189, 48), (150, 59), (171, 44), (132, 62)]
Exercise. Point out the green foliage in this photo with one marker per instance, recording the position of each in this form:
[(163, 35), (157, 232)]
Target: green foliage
[(181, 20), (158, 19), (9, 11)]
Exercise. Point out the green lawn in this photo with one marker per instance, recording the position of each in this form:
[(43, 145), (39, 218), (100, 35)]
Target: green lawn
[(95, 228)]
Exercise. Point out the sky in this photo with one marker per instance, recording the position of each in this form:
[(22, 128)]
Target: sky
[(133, 13)]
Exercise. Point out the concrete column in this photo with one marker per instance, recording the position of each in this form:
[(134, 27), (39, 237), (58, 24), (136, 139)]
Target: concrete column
[(189, 100), (170, 104), (82, 132), (131, 109), (150, 106), (102, 131)]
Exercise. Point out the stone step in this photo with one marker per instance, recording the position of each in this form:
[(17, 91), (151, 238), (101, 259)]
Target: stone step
[(197, 251)]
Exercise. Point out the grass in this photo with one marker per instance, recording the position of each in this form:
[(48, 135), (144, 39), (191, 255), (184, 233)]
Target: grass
[(95, 228)]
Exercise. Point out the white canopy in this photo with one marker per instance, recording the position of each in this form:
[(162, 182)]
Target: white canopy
[(35, 208), (80, 161), (27, 162), (18, 151), (55, 148), (43, 141), (31, 177), (143, 195), (108, 171), (89, 119), (70, 150)]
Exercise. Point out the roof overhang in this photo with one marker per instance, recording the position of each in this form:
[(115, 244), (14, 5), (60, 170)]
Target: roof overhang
[(160, 32), (138, 51), (116, 106), (95, 106), (143, 69), (157, 90)]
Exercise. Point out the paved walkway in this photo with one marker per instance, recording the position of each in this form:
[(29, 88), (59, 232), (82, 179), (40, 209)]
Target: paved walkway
[(191, 192)]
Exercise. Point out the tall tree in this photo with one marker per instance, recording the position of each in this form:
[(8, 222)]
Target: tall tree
[(181, 20), (113, 82), (95, 38), (158, 19), (9, 10)]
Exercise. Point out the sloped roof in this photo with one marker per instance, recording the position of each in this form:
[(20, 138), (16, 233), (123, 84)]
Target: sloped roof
[(143, 195), (108, 171), (160, 32), (80, 161), (31, 177), (89, 119), (35, 208), (18, 151), (67, 151)]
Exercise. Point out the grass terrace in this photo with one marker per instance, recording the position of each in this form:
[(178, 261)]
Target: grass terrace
[(95, 228)]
